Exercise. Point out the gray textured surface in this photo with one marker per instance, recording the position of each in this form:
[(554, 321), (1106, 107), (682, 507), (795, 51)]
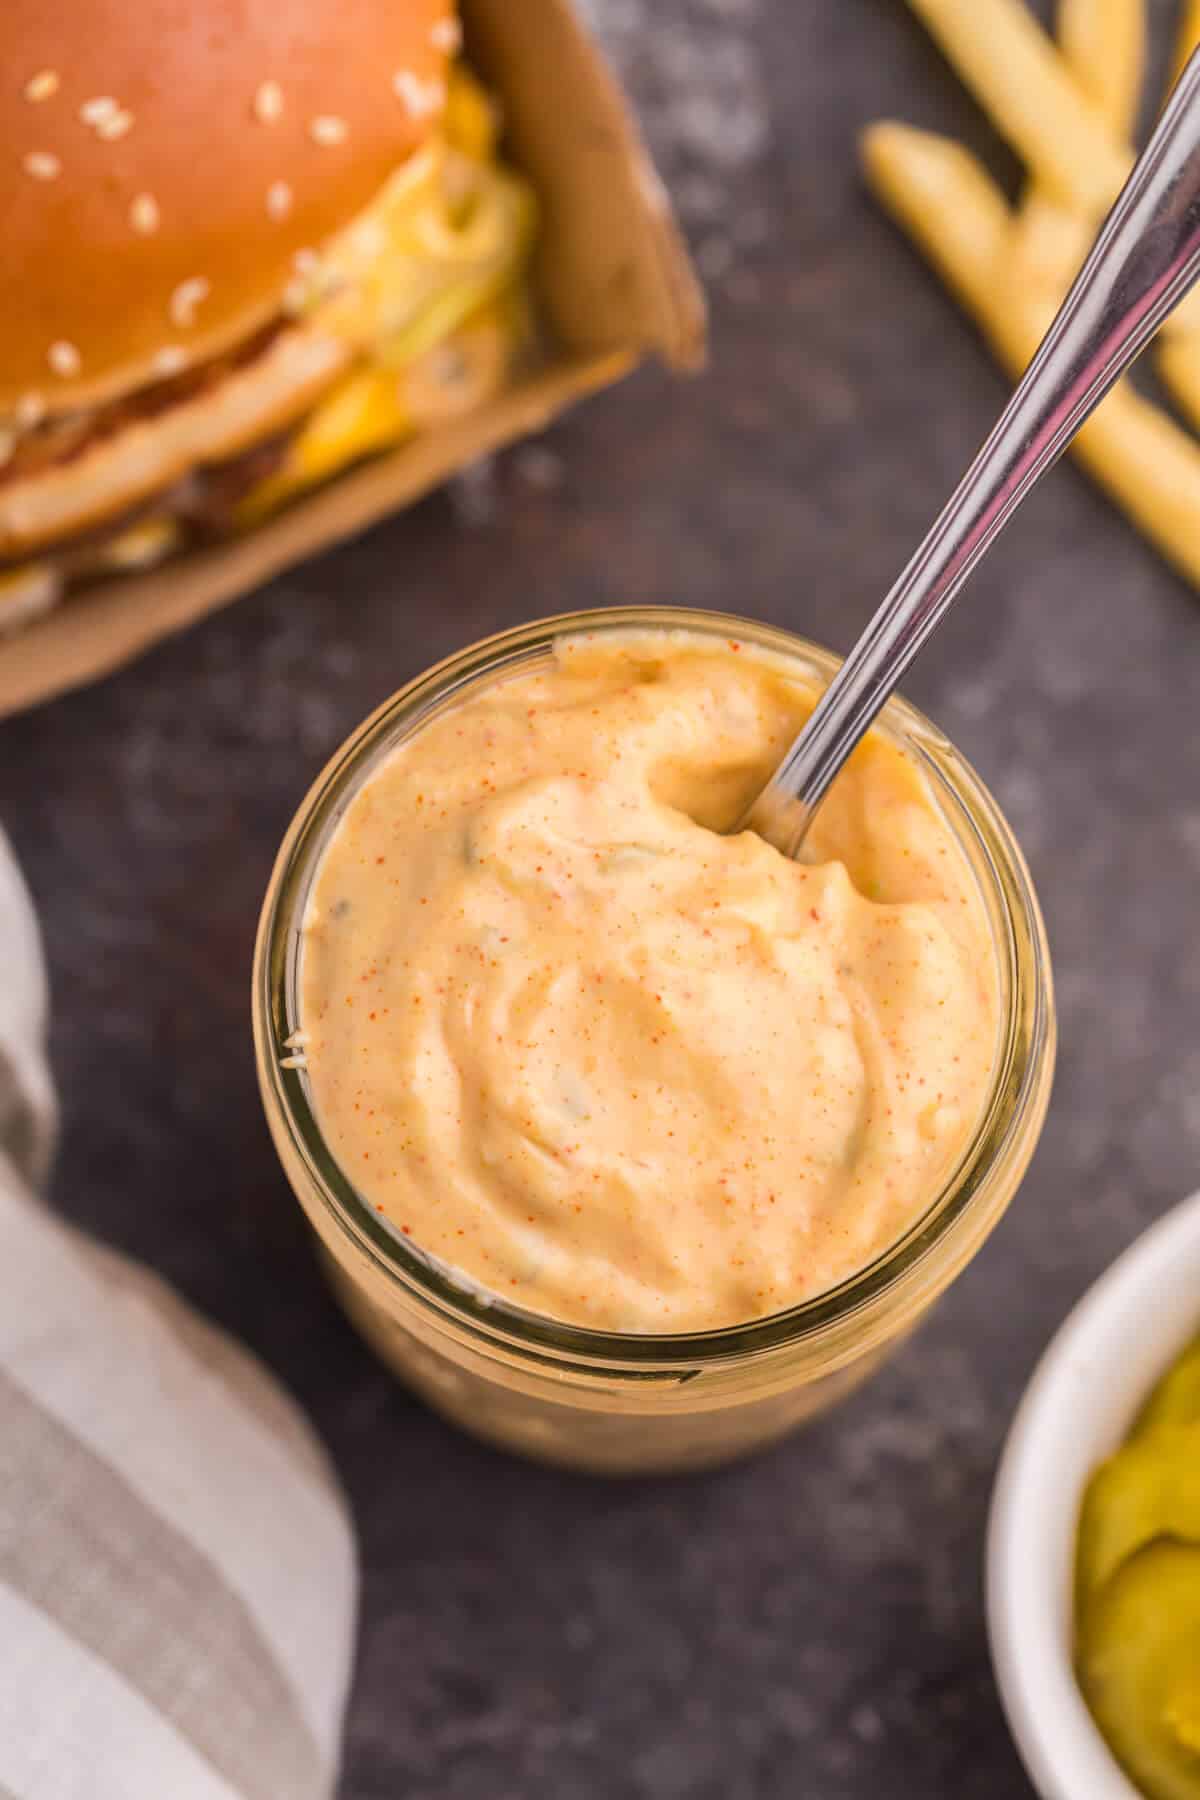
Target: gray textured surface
[(808, 1627)]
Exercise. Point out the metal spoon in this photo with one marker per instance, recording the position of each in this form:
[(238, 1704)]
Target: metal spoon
[(1143, 263)]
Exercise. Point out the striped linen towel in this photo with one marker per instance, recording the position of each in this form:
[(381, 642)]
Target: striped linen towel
[(177, 1575)]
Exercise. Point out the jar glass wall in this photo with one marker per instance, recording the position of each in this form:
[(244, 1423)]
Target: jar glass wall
[(624, 1402)]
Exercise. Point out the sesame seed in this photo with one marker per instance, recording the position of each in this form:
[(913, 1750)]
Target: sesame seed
[(114, 125), (279, 200), (43, 165), (64, 358), (295, 296), (421, 98), (143, 214), (30, 411), (103, 107), (41, 86), (268, 101), (327, 128), (306, 262), (169, 360), (446, 35), (186, 298)]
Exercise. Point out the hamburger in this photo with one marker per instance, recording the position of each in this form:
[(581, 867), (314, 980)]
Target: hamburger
[(249, 243)]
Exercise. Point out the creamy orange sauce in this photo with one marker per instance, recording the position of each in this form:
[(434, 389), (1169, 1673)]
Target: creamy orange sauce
[(610, 1064)]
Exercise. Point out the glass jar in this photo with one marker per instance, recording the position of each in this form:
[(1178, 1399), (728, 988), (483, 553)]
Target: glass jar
[(635, 1402)]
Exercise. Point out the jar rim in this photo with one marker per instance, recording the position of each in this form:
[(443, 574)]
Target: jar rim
[(1008, 1122)]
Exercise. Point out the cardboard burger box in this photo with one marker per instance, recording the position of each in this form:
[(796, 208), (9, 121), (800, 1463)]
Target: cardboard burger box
[(612, 281)]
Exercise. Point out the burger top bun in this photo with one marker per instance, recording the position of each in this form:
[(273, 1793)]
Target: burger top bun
[(165, 166)]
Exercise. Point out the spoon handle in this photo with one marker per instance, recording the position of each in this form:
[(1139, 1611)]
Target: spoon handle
[(1146, 258)]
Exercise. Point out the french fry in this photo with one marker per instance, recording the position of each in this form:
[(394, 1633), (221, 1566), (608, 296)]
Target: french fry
[(1022, 82), (1151, 467), (1021, 78), (1188, 37), (1104, 47), (1104, 44), (947, 202), (1178, 360), (1048, 245)]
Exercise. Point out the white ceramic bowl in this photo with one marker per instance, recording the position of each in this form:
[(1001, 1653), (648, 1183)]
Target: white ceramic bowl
[(1078, 1407)]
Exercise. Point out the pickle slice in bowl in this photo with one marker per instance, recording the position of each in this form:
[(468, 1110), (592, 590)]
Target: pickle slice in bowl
[(1176, 1399), (1139, 1667), (1149, 1489)]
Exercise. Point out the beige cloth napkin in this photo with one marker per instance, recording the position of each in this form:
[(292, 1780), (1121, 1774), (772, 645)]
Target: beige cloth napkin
[(177, 1576)]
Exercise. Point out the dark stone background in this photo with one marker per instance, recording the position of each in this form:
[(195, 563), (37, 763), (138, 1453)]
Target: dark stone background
[(808, 1627)]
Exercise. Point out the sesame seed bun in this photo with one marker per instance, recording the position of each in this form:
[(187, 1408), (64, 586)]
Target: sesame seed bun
[(164, 165), (226, 411)]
